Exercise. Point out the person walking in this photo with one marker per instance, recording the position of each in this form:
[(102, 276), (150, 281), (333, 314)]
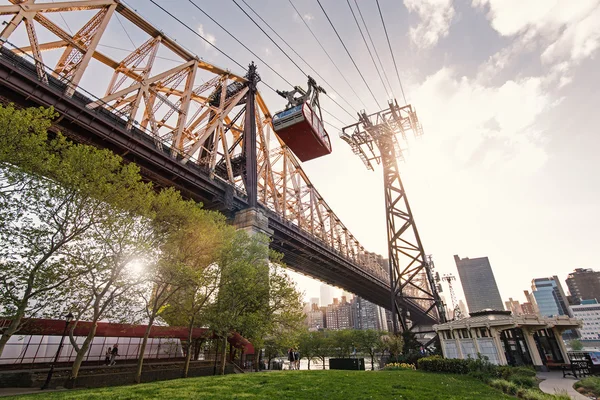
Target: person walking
[(297, 359), (291, 358), (114, 353), (107, 355)]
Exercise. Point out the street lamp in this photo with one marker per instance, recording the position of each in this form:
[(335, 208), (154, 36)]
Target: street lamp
[(68, 319)]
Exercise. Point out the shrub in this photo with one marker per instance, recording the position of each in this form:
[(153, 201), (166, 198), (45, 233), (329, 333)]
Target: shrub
[(448, 365), (520, 380), (523, 371), (505, 386), (399, 366), (589, 385)]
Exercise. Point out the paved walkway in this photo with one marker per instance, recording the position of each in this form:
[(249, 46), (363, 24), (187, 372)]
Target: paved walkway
[(554, 382)]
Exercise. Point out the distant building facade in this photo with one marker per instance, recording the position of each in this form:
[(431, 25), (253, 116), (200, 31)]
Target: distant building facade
[(584, 284), (589, 314), (550, 297), (513, 306), (479, 284), (315, 318)]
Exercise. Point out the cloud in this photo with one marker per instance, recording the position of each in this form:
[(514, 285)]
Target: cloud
[(435, 15), (211, 38), (487, 125), (565, 29), (308, 17)]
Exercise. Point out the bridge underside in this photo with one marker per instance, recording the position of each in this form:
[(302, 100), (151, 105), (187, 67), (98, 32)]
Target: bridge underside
[(100, 128)]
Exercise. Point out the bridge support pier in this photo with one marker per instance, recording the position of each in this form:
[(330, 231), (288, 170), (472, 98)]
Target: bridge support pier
[(253, 221)]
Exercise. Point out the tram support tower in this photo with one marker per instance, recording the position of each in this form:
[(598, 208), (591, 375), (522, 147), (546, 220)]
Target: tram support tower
[(376, 138)]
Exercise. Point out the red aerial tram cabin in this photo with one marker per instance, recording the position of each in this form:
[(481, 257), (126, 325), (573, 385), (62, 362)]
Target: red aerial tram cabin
[(299, 126)]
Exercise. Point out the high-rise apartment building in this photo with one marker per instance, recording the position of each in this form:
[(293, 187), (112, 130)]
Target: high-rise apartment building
[(513, 306), (584, 284), (315, 318), (479, 284), (589, 314), (550, 297)]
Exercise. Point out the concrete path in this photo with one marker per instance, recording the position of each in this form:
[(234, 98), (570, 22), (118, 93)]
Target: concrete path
[(553, 382)]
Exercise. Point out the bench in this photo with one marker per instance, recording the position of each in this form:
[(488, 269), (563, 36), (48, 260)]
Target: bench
[(577, 369)]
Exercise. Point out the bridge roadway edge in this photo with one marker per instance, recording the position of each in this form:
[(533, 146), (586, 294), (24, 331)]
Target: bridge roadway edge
[(301, 253)]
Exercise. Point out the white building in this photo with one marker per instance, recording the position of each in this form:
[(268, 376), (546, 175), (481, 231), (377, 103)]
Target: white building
[(589, 314), (507, 339)]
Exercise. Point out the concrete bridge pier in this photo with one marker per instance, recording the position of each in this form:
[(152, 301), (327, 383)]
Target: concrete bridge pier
[(253, 221)]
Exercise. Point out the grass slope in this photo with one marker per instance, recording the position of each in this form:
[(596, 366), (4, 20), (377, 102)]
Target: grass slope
[(406, 385)]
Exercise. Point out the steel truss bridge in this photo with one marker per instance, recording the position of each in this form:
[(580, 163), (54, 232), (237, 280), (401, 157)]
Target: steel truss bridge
[(190, 125)]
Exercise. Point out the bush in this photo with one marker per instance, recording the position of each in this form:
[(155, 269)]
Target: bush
[(523, 371), (589, 385), (447, 365), (399, 366), (525, 381), (505, 386)]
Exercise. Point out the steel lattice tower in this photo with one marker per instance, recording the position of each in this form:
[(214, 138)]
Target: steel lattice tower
[(377, 137)]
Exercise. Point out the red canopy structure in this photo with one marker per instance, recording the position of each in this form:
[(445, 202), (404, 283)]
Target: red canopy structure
[(55, 327)]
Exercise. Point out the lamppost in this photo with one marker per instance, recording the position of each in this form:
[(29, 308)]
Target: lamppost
[(68, 319)]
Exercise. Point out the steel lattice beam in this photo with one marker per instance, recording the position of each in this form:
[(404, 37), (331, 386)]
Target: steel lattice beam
[(376, 138)]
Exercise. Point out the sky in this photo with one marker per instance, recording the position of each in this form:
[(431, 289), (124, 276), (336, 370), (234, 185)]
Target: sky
[(506, 91)]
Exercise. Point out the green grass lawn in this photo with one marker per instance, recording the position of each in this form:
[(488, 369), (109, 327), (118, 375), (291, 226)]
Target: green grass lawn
[(406, 385)]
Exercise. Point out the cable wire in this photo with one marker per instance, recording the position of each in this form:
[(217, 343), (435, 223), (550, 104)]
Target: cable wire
[(327, 54), (349, 55), (125, 30), (368, 49), (374, 47), (199, 35), (390, 46), (295, 52), (240, 42)]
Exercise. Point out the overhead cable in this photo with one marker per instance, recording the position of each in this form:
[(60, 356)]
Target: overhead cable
[(240, 42), (368, 49), (391, 51), (295, 52), (348, 52), (374, 47), (327, 53)]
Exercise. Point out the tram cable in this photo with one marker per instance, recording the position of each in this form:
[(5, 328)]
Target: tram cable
[(368, 49), (327, 54), (374, 47), (391, 51), (240, 42), (348, 52), (295, 52)]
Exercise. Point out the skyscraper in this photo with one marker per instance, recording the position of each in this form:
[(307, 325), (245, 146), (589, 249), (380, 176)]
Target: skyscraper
[(478, 283), (550, 297), (584, 284), (326, 292)]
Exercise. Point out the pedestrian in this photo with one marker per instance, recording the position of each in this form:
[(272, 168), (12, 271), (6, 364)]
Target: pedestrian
[(297, 359), (291, 358), (114, 353), (107, 355)]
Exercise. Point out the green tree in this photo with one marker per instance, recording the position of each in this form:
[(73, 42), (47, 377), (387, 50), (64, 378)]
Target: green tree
[(52, 193), (188, 242), (369, 342), (394, 345), (109, 288), (243, 287), (308, 345), (576, 345), (343, 342), (323, 345)]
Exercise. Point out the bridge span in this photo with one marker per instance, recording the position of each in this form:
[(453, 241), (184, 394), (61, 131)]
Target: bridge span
[(192, 138)]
